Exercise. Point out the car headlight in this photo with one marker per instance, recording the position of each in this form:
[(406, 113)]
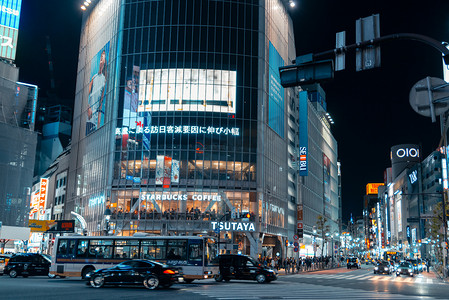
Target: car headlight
[(376, 268), (410, 270), (386, 269)]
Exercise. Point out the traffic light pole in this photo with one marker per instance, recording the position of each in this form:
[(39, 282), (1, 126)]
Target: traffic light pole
[(398, 36), (313, 68)]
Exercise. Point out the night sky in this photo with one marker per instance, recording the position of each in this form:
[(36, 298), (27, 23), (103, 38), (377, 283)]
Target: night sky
[(370, 108)]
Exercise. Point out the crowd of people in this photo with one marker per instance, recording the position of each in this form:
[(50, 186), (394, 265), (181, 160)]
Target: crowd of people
[(295, 265), (169, 214)]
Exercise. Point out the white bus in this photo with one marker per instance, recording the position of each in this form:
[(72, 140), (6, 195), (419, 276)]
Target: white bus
[(79, 255)]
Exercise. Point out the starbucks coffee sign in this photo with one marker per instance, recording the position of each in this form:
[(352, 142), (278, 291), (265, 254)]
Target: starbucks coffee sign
[(233, 226)]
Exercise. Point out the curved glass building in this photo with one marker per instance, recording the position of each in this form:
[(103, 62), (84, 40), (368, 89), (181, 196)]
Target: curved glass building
[(181, 122)]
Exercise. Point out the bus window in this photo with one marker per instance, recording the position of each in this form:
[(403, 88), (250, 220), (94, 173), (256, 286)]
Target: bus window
[(196, 251), (176, 250), (81, 250), (100, 248), (147, 249), (127, 249), (160, 249), (72, 248), (62, 248)]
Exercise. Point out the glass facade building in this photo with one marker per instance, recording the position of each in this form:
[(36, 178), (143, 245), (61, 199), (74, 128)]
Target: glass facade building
[(180, 120)]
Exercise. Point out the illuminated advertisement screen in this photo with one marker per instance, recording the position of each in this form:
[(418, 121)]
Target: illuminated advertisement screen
[(9, 27), (202, 90), (276, 92), (97, 90)]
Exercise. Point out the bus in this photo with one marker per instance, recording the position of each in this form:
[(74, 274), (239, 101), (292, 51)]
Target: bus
[(76, 256)]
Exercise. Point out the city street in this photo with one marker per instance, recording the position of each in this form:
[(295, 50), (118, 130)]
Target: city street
[(330, 284)]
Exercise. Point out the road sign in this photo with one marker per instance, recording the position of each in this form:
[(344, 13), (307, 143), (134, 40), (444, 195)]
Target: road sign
[(296, 244), (217, 230), (336, 247), (295, 237), (367, 29), (300, 225), (429, 97), (296, 249), (340, 56)]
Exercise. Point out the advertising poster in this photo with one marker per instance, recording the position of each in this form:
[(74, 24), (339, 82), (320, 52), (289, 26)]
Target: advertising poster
[(97, 90), (203, 90), (134, 121), (159, 169), (9, 28), (175, 171), (276, 92), (167, 172)]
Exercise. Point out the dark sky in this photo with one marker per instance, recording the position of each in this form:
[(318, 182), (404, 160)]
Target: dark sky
[(371, 108)]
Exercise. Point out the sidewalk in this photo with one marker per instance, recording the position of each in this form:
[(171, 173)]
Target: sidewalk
[(282, 272)]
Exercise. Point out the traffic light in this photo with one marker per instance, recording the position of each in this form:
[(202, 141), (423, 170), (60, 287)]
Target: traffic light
[(306, 73), (286, 243), (246, 216)]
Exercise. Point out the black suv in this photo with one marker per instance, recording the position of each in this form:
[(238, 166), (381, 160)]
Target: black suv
[(27, 264), (233, 266)]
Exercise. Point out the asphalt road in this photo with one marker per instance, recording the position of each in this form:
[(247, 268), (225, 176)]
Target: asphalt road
[(330, 284)]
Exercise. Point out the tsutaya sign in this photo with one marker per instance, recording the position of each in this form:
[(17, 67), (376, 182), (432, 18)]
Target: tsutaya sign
[(180, 197), (233, 226)]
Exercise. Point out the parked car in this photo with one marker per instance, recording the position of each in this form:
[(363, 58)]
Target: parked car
[(27, 264), (353, 262), (382, 267), (147, 272), (4, 258), (405, 268), (233, 266)]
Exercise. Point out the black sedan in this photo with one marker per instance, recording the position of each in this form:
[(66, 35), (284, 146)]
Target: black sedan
[(149, 273), (382, 268)]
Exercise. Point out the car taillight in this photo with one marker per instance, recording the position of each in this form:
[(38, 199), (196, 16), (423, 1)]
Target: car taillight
[(169, 272)]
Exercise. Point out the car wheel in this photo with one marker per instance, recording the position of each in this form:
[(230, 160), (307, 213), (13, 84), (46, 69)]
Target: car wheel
[(226, 279), (412, 275), (61, 276), (25, 276), (261, 278), (151, 282), (97, 281), (86, 271), (189, 280), (218, 278), (13, 273)]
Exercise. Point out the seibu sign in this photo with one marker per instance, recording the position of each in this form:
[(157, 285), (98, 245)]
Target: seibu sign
[(179, 197), (233, 226)]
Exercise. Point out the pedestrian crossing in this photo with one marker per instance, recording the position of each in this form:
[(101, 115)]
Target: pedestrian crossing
[(370, 277), (287, 290)]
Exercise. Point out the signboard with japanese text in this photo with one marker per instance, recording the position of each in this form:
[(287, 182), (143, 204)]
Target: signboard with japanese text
[(372, 188), (9, 28), (42, 197), (303, 134)]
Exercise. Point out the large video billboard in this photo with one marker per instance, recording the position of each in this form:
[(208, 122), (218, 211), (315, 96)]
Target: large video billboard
[(97, 90), (203, 90), (276, 92), (9, 27)]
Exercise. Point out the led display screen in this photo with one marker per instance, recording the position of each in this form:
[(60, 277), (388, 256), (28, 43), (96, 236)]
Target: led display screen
[(9, 27), (202, 90), (97, 90), (276, 92)]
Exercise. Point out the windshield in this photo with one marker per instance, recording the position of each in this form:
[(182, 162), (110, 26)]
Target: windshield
[(406, 265), (211, 252), (255, 262), (353, 259)]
